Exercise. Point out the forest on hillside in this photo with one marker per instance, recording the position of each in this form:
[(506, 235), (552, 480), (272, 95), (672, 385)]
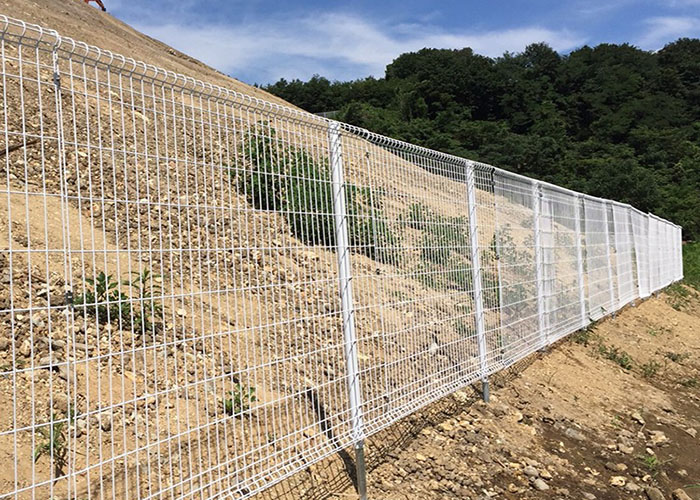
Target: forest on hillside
[(613, 121)]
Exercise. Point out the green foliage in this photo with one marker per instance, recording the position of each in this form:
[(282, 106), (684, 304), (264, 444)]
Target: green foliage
[(584, 337), (616, 355), (690, 383), (612, 120), (240, 399), (54, 441), (103, 299), (650, 369), (290, 181), (678, 296), (655, 331), (147, 307), (443, 248), (676, 357), (691, 265), (651, 463)]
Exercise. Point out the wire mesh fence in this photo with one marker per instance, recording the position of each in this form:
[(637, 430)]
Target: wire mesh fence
[(202, 293)]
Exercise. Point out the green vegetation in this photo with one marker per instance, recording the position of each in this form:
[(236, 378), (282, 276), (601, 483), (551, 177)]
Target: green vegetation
[(54, 441), (676, 357), (290, 181), (443, 247), (103, 299), (585, 336), (650, 369), (612, 120), (690, 382), (691, 265), (651, 463), (655, 331), (240, 400), (616, 355)]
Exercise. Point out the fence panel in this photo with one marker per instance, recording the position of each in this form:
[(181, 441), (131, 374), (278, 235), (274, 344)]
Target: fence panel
[(203, 293), (624, 257), (562, 270)]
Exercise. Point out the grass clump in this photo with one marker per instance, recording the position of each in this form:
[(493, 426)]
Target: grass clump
[(650, 369), (586, 336), (54, 442), (292, 182), (616, 355), (656, 331), (240, 399), (690, 383), (676, 357)]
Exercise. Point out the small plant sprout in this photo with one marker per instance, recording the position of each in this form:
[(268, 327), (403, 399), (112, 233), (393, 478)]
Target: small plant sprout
[(240, 399), (54, 442), (147, 308)]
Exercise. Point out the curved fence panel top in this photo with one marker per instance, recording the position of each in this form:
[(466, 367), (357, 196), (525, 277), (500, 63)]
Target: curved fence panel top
[(203, 293)]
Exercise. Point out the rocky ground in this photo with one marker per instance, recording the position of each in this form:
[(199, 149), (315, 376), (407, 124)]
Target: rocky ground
[(609, 413)]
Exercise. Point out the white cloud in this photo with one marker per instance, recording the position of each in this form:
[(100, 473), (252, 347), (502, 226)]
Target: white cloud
[(338, 46), (662, 30)]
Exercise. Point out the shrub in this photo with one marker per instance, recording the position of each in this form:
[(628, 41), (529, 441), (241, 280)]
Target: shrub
[(290, 181)]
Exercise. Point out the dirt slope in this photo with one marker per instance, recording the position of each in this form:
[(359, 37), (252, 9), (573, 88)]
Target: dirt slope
[(568, 423), (75, 19)]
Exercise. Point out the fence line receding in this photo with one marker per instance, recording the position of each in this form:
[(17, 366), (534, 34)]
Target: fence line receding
[(202, 293)]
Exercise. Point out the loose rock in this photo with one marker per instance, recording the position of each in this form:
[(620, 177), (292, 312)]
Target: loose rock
[(654, 494), (540, 485), (680, 494)]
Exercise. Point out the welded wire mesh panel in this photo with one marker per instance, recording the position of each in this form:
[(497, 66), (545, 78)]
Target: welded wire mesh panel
[(598, 272), (562, 291), (202, 293), (624, 255), (412, 275), (612, 256), (655, 253), (520, 324), (33, 327), (640, 233), (171, 286)]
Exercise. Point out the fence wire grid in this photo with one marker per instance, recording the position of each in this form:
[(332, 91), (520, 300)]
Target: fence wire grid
[(202, 293)]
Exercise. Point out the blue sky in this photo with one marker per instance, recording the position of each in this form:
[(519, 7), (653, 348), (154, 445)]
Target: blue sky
[(260, 41)]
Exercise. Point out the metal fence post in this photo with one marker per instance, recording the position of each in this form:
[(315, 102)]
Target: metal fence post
[(616, 240), (476, 280), (348, 312), (539, 278), (609, 257), (635, 241), (579, 263), (497, 241)]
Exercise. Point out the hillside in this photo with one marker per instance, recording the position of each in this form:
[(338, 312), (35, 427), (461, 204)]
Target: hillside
[(612, 413), (170, 324), (75, 19), (612, 120)]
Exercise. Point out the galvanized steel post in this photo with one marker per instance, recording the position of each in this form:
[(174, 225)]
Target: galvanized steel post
[(348, 311), (476, 280)]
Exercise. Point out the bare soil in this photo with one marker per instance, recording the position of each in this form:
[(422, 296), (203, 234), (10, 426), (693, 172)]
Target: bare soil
[(566, 423)]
